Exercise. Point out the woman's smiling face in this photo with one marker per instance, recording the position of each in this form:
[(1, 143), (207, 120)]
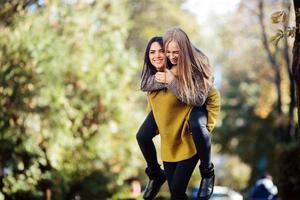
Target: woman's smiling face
[(157, 56), (173, 52)]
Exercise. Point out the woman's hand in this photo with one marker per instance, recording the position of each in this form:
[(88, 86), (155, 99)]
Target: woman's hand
[(164, 77), (174, 70)]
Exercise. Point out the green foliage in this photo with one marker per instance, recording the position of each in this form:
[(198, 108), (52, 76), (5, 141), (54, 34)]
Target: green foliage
[(243, 131), (154, 17), (12, 9), (95, 185), (65, 83), (250, 125)]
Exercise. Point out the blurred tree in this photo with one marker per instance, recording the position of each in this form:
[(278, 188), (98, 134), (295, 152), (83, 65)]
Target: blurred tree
[(255, 91), (286, 127), (154, 17), (230, 174), (286, 54), (288, 171), (258, 95), (272, 58), (11, 9), (296, 60), (290, 187), (65, 99)]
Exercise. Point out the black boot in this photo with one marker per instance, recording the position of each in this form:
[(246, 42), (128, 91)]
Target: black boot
[(157, 179), (207, 183)]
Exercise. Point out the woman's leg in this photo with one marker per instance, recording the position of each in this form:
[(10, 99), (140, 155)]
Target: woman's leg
[(156, 175), (169, 168), (202, 140), (178, 176), (144, 138), (201, 135)]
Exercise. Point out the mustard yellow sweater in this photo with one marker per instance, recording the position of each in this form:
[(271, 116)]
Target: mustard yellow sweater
[(172, 117), (213, 105)]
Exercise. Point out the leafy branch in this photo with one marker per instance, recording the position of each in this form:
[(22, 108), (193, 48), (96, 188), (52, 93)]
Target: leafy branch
[(280, 17)]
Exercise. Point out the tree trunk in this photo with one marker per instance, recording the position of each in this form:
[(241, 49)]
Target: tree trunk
[(271, 56), (286, 55), (296, 61)]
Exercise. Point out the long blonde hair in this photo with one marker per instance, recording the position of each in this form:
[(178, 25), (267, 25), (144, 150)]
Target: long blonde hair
[(191, 62)]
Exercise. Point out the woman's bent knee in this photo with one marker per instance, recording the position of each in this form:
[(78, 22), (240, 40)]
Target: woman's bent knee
[(143, 135), (198, 120)]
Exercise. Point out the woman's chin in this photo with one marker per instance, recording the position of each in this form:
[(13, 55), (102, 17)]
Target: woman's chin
[(160, 69)]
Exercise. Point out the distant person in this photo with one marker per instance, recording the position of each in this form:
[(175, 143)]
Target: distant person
[(264, 189)]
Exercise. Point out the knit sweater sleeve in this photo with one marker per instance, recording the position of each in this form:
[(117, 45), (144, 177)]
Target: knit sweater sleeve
[(213, 106), (201, 94), (150, 84)]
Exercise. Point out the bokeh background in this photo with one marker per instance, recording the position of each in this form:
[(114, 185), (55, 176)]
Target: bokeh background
[(70, 103)]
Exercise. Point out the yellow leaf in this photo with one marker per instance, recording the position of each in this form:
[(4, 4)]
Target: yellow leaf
[(279, 16)]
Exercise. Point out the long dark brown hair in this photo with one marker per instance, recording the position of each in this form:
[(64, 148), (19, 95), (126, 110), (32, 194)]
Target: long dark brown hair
[(148, 68)]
